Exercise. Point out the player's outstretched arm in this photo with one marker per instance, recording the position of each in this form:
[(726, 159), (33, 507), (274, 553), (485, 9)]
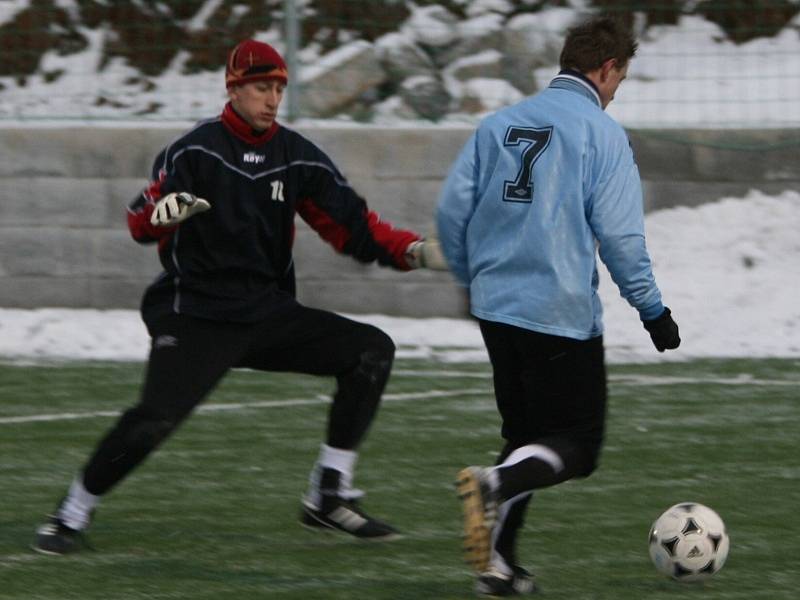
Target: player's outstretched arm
[(177, 207)]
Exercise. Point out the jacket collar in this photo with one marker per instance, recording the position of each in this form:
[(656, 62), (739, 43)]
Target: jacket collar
[(569, 79), (241, 129)]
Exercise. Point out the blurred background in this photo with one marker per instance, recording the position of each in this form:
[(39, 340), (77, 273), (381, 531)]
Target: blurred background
[(91, 90), (701, 63)]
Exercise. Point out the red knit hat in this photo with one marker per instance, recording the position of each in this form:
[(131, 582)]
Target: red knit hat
[(251, 60)]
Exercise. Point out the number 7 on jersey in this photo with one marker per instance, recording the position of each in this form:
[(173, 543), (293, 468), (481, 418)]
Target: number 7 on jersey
[(535, 142)]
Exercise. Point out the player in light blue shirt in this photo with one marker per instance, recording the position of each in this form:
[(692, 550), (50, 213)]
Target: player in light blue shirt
[(533, 191), (538, 190)]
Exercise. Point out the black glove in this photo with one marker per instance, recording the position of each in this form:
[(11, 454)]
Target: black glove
[(663, 331)]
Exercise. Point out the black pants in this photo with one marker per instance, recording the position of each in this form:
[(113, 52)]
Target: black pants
[(189, 356), (550, 390)]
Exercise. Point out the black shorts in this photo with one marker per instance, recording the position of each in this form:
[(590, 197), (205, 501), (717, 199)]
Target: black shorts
[(548, 388)]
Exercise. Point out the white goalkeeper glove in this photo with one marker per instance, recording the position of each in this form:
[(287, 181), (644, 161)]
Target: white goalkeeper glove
[(176, 207), (426, 254)]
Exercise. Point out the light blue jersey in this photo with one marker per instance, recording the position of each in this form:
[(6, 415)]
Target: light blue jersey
[(537, 188)]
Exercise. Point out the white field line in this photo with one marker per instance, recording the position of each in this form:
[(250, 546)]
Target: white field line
[(213, 408), (635, 380), (620, 379), (667, 380)]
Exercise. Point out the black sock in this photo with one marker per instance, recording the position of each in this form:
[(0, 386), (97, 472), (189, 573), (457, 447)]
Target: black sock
[(527, 475)]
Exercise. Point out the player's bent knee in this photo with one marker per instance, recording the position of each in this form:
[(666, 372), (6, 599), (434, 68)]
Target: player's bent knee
[(379, 345), (374, 361), (373, 371)]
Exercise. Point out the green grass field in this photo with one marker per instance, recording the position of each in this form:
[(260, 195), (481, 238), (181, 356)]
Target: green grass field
[(212, 515)]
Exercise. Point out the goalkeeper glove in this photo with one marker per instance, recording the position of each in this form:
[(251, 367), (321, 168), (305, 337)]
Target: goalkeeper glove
[(426, 254), (663, 331), (176, 207)]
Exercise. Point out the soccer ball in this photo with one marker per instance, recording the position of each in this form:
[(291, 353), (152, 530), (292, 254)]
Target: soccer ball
[(689, 542)]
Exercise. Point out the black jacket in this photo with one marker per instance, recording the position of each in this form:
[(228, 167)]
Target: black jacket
[(234, 262)]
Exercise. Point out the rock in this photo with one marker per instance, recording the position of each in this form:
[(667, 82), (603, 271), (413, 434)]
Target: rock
[(432, 26), (474, 36), (340, 78), (401, 58), (534, 40), (427, 95), (489, 63), (483, 95)]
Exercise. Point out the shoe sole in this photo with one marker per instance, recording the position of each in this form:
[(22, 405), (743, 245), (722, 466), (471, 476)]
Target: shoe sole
[(515, 588), (477, 543), (44, 552), (322, 527)]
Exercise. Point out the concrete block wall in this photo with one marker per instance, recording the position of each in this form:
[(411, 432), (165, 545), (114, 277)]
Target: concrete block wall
[(63, 193), (690, 167)]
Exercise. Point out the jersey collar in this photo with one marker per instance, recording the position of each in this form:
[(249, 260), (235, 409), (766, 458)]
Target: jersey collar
[(241, 129), (569, 79)]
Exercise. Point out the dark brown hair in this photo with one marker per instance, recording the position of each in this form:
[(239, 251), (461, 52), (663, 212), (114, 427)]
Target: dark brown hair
[(592, 43)]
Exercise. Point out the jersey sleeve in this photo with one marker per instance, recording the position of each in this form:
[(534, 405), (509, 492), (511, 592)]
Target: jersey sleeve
[(342, 218), (168, 175), (455, 208), (616, 216)]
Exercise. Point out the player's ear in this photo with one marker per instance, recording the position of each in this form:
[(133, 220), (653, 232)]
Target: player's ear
[(607, 67)]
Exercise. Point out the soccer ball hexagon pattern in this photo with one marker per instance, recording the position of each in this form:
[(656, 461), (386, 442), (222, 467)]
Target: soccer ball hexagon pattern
[(689, 542)]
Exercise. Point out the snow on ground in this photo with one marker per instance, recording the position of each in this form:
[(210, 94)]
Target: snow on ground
[(728, 270)]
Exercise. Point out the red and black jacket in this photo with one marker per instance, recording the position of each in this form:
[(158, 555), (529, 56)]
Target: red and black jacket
[(234, 262)]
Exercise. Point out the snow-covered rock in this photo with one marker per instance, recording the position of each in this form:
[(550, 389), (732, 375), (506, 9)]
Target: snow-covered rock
[(341, 77), (427, 95), (534, 40)]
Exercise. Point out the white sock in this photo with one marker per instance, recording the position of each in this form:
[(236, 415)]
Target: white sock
[(76, 509), (343, 461)]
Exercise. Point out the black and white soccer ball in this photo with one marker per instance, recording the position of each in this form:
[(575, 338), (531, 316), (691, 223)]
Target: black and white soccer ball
[(689, 542)]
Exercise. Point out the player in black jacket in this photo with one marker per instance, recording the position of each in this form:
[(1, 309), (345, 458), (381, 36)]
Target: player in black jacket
[(221, 206)]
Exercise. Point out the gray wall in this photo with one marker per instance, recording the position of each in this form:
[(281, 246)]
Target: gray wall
[(63, 192)]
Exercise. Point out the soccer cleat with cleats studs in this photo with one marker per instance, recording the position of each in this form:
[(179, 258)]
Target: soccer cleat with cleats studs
[(55, 538), (347, 517), (480, 512), (494, 584)]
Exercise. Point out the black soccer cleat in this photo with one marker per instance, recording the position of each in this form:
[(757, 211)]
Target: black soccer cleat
[(55, 538), (480, 514), (336, 513), (347, 517), (494, 584)]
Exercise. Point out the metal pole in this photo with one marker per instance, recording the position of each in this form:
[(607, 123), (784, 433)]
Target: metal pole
[(292, 24)]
